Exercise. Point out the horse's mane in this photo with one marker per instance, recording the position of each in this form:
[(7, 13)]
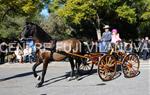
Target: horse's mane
[(40, 33)]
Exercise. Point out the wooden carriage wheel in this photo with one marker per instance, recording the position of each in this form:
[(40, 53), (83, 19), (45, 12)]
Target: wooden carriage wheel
[(107, 67), (86, 66), (131, 65)]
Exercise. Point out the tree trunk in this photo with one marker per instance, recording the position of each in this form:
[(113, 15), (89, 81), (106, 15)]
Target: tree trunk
[(98, 31)]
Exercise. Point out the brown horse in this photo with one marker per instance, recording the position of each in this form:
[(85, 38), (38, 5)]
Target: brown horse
[(50, 50)]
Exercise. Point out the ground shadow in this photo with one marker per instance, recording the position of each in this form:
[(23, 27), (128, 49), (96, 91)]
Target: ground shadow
[(63, 77), (19, 75), (101, 84), (56, 79), (2, 63), (82, 76)]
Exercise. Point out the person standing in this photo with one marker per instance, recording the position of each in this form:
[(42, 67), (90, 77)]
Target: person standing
[(32, 46), (18, 52), (27, 54), (105, 40), (145, 48), (3, 52)]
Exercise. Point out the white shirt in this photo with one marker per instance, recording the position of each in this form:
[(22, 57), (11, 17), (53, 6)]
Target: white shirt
[(27, 51)]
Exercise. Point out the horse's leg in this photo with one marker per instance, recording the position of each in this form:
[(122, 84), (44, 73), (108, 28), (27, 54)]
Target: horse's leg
[(34, 69), (45, 64), (72, 69), (78, 62)]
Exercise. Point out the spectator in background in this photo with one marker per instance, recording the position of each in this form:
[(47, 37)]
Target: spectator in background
[(32, 46), (140, 45), (3, 51), (19, 54), (146, 46), (27, 54), (145, 49)]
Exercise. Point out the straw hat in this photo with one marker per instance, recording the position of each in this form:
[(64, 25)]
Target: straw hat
[(106, 27)]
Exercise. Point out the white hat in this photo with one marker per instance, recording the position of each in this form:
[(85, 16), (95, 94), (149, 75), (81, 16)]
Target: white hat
[(106, 27)]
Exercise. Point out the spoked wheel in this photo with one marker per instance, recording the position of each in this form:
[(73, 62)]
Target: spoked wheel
[(107, 67), (86, 66), (131, 65)]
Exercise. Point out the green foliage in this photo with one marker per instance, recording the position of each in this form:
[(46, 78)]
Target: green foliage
[(145, 30), (11, 27), (54, 5), (77, 10), (146, 16), (126, 12), (19, 7), (56, 27), (82, 15), (129, 10), (14, 13)]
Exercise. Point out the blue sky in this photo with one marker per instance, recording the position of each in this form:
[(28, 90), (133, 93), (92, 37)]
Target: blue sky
[(44, 12)]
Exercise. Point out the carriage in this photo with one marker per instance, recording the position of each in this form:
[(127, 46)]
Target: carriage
[(107, 63)]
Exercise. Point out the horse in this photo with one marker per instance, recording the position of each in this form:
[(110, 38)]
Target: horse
[(56, 51)]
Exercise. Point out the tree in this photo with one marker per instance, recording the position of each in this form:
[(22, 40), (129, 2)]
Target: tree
[(134, 11), (20, 7), (77, 11), (56, 27), (13, 14), (131, 12), (11, 27)]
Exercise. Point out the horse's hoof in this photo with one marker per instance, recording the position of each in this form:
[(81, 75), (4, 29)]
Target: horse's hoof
[(38, 77), (38, 85), (77, 78), (70, 78)]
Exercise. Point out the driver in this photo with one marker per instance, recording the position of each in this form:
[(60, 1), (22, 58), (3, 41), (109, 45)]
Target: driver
[(105, 40)]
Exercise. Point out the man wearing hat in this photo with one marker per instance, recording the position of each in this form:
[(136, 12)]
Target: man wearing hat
[(105, 40)]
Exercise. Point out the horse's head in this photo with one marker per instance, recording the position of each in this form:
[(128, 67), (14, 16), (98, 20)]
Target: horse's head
[(34, 31), (28, 31)]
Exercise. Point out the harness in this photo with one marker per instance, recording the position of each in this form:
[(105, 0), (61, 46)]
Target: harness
[(52, 49)]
